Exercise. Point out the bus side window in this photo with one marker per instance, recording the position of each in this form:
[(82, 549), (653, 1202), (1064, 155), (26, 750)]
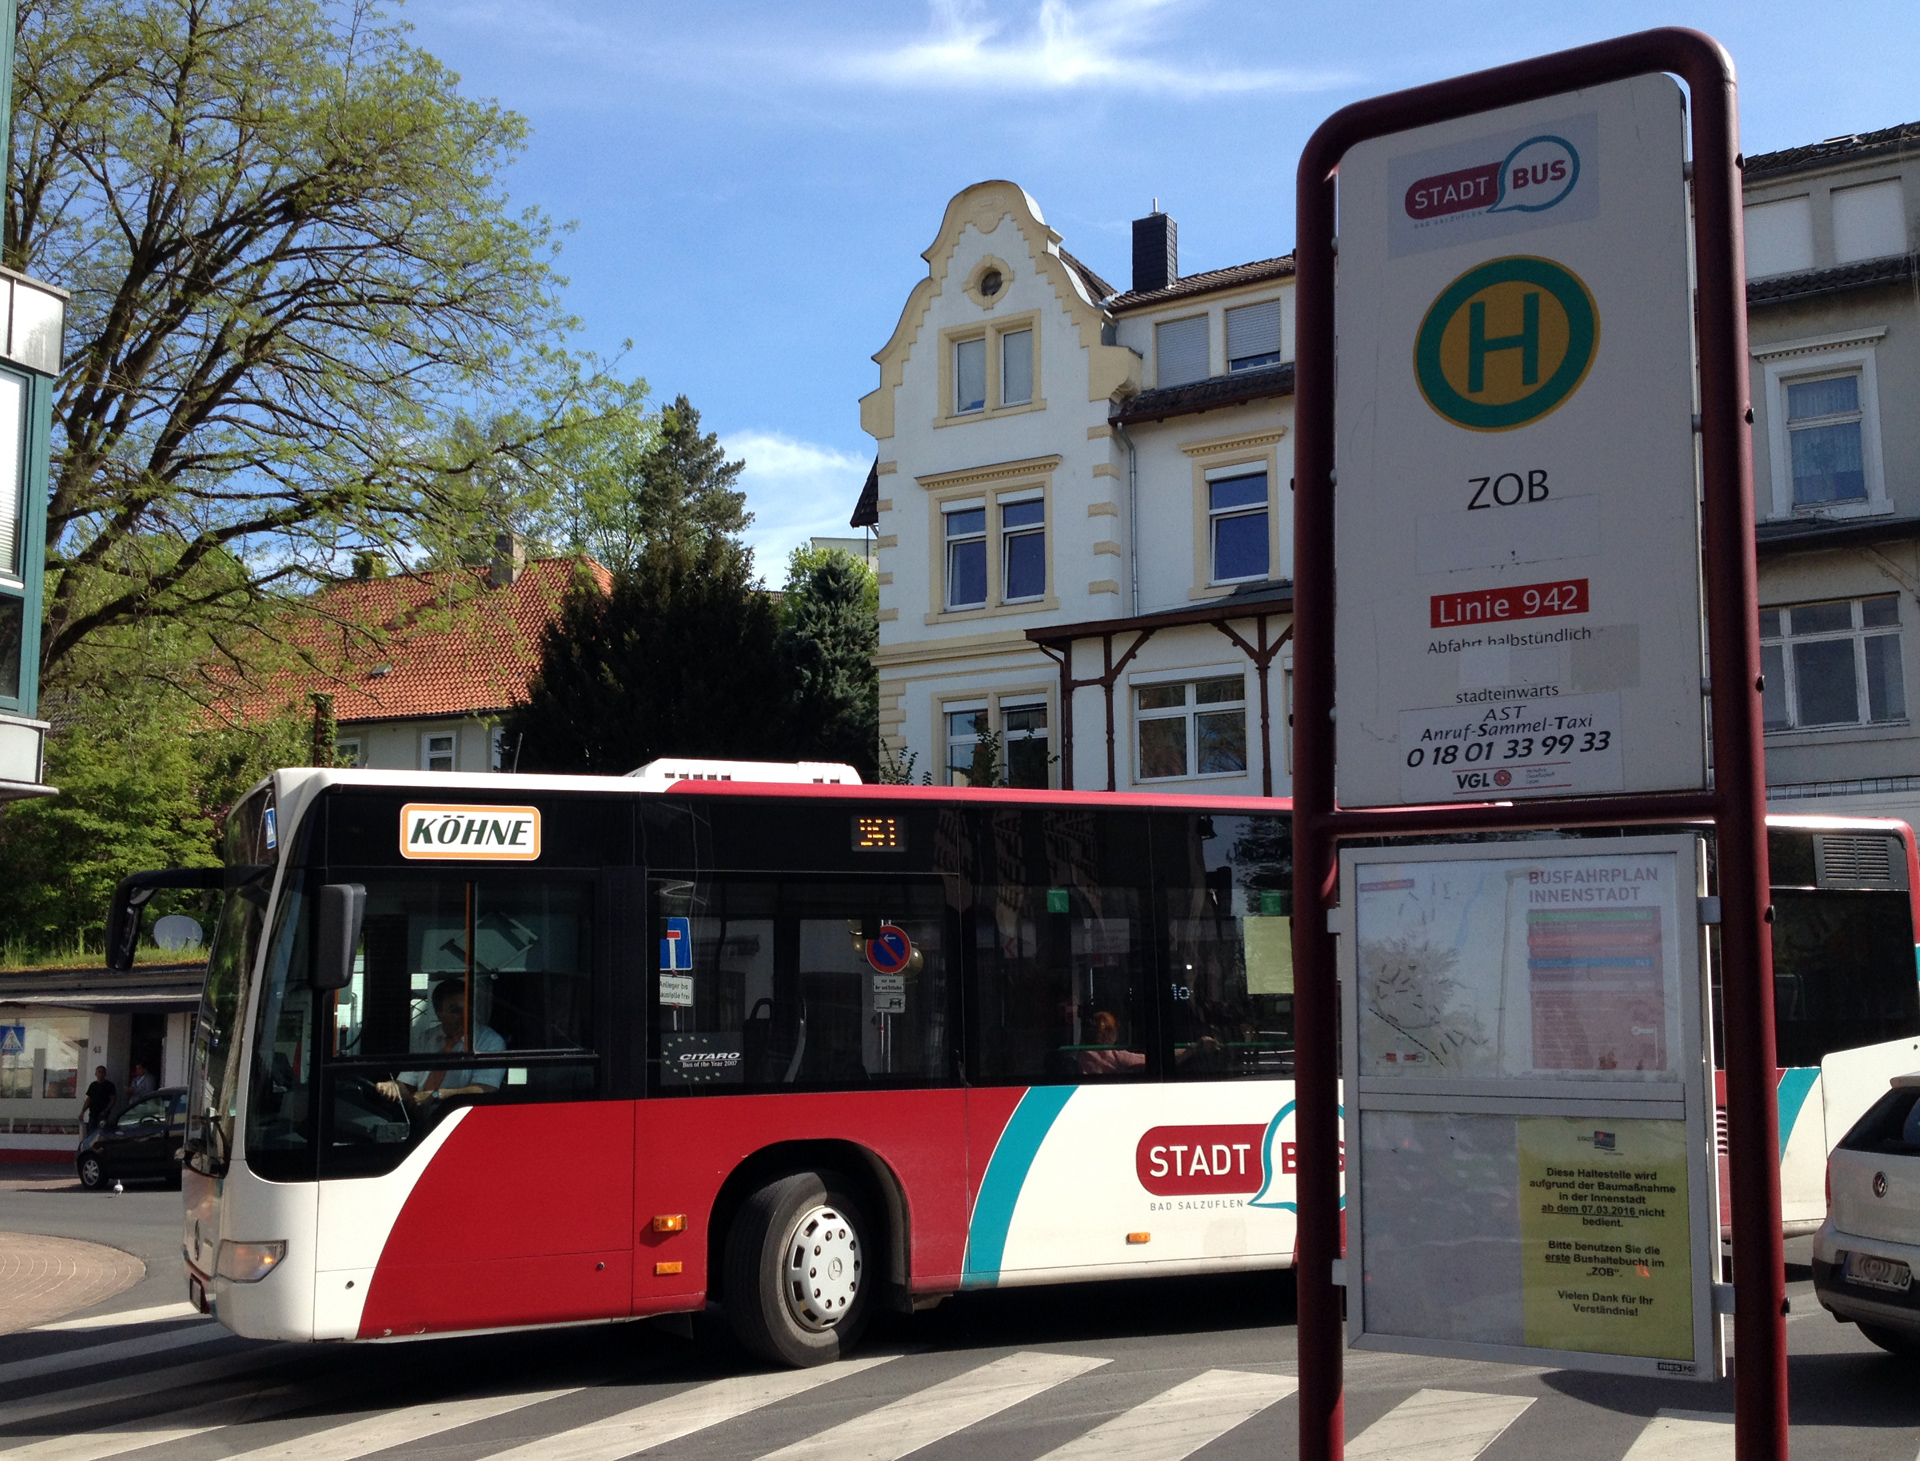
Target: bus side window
[(1062, 989), (1225, 889)]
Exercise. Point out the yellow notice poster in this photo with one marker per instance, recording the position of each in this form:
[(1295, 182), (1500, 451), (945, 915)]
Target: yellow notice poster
[(1269, 943), (1604, 1256)]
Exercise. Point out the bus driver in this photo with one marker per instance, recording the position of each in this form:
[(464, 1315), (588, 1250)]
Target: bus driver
[(419, 1087)]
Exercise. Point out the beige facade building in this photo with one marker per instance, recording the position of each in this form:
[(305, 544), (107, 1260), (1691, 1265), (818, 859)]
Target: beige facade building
[(1082, 513)]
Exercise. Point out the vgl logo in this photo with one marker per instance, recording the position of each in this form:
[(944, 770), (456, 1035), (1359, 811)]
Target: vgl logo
[(1506, 343)]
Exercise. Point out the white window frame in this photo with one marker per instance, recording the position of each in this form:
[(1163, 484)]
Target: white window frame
[(948, 542), (427, 738), (351, 746), (1796, 360), (1214, 515), (1001, 338), (985, 343), (1012, 702), (1189, 711), (1000, 505), (1858, 633), (949, 762)]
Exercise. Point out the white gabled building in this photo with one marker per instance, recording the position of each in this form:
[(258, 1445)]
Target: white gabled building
[(1083, 521)]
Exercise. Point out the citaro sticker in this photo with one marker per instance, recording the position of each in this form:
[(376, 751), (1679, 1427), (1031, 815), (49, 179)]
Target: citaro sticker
[(1506, 343), (465, 832)]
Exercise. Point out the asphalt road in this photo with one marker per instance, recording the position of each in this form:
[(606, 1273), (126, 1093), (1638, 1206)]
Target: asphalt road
[(1129, 1371)]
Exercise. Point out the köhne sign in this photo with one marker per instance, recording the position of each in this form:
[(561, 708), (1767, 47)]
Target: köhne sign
[(1517, 544)]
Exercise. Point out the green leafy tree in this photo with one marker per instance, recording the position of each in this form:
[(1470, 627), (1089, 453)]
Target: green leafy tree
[(829, 630), (292, 267)]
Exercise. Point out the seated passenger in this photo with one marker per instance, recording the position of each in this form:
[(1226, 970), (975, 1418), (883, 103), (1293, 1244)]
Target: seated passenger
[(1104, 1030), (447, 1038)]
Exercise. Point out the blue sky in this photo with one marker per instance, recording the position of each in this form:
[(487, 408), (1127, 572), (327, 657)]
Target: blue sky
[(752, 184)]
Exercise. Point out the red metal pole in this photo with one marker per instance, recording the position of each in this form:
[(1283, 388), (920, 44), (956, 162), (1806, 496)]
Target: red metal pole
[(1737, 804)]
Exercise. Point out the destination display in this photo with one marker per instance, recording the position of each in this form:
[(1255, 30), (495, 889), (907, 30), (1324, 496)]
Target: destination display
[(1516, 530)]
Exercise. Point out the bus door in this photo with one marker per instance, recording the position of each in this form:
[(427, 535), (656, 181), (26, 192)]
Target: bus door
[(466, 1125)]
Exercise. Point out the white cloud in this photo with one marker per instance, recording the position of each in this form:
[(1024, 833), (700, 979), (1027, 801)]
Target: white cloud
[(796, 490), (1095, 43)]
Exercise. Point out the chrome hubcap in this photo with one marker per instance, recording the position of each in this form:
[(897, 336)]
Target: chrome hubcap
[(822, 1268)]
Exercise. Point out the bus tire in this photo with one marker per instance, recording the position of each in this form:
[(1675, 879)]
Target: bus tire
[(796, 1270)]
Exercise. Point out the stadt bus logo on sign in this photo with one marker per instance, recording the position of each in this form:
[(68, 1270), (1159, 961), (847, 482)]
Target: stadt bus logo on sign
[(1532, 178), (1506, 343)]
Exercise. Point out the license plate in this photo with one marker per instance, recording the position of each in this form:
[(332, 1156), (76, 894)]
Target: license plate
[(1879, 1273)]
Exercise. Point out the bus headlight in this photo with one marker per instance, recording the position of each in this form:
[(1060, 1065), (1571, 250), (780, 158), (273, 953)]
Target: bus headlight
[(248, 1262)]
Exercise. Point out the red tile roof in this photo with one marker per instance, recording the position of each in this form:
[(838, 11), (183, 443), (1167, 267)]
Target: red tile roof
[(417, 645)]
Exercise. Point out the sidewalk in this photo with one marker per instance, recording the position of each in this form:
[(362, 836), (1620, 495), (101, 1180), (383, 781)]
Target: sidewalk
[(42, 1278)]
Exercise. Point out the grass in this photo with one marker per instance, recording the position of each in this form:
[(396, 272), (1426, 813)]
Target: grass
[(21, 958)]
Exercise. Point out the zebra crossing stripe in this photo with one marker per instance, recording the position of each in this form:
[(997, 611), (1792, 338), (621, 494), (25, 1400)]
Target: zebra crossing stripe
[(397, 1428), (158, 1314), (660, 1421), (1438, 1425), (180, 1424), (111, 1353), (1178, 1422), (929, 1415), (1684, 1435), (131, 1387)]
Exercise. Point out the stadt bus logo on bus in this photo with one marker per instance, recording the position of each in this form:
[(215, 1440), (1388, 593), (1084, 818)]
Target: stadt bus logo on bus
[(465, 832), (1224, 1159), (1506, 343)]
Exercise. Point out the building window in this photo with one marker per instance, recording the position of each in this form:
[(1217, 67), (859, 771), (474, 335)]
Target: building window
[(969, 376), (966, 557), (1869, 221), (13, 416), (1023, 545), (13, 628), (1180, 351), (966, 732), (1024, 742), (1823, 435), (1016, 368), (1195, 728), (1779, 237), (346, 751), (1253, 336), (1832, 664), (436, 751), (1237, 528)]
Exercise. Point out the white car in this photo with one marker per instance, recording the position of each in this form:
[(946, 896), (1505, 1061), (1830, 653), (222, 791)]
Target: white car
[(1867, 1252)]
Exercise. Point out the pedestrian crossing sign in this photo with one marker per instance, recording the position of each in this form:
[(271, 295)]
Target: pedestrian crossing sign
[(13, 1039)]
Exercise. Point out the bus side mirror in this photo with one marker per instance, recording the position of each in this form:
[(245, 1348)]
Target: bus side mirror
[(342, 907)]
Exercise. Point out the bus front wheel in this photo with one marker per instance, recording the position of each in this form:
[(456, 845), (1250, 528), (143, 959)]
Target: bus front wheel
[(797, 1270)]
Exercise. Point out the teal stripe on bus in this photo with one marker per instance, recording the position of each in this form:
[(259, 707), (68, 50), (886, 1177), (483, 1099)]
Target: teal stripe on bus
[(1795, 1082), (1007, 1172)]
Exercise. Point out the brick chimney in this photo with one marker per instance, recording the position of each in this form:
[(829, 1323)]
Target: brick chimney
[(509, 558), (1156, 251)]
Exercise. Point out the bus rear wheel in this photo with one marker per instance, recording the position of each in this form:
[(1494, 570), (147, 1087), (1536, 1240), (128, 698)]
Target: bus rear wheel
[(797, 1266)]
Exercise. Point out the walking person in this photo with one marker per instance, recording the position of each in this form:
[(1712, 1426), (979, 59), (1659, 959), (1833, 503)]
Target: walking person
[(99, 1100)]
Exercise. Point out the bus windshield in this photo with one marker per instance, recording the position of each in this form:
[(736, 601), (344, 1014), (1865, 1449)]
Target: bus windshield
[(214, 1083)]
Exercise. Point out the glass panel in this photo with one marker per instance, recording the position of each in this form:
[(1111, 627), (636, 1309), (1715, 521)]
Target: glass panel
[(1059, 933), (1163, 747), (1823, 672), (959, 524), (1161, 697), (1843, 972), (1219, 692), (824, 984), (1831, 397), (970, 375), (1822, 618), (1027, 760), (1886, 693), (1023, 514), (56, 1043), (1221, 738), (1773, 698), (1227, 891), (1022, 720), (1016, 367), (1238, 492), (1770, 624), (1827, 465), (966, 723), (279, 1103), (214, 1086), (36, 328), (1026, 565), (1240, 547), (153, 1111), (13, 419), (13, 626), (1880, 611), (967, 574)]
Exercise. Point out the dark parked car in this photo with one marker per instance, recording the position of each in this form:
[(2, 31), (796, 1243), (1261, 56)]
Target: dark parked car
[(140, 1141)]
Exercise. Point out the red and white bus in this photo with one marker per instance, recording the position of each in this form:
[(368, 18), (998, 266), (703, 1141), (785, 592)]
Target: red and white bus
[(480, 1053)]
